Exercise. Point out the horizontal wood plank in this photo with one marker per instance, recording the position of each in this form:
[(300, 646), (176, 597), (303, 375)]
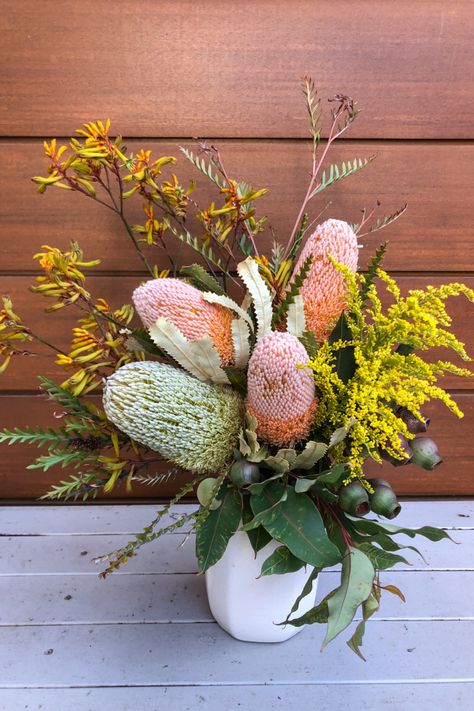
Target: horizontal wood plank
[(200, 68), (453, 477), (111, 655), (245, 697), (435, 234), (162, 599), (66, 520), (74, 555), (23, 371)]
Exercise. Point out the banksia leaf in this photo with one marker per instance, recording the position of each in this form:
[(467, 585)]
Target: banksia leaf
[(184, 306), (262, 300), (281, 395), (324, 290), (145, 400)]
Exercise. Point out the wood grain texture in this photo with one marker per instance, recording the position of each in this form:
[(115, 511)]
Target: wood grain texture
[(435, 234), (453, 477), (195, 68), (56, 327)]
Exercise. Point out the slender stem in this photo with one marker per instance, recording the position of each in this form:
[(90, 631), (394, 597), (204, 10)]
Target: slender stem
[(45, 343)]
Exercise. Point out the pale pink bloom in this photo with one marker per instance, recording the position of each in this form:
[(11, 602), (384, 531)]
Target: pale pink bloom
[(184, 306), (280, 395), (324, 291)]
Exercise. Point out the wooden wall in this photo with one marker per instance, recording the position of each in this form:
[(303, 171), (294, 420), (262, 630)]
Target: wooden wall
[(165, 71)]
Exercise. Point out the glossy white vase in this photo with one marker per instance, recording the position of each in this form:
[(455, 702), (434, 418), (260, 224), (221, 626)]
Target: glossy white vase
[(247, 606)]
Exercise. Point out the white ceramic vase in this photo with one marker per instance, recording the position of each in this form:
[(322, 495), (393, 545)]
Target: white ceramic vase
[(247, 606)]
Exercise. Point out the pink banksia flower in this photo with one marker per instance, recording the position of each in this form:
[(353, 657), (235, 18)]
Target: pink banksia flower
[(280, 394), (184, 306), (324, 290)]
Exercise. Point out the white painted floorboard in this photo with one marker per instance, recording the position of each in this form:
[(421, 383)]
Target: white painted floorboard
[(144, 639)]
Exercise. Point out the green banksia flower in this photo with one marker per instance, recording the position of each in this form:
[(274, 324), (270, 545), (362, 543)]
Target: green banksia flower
[(191, 423), (425, 453), (384, 502), (354, 499)]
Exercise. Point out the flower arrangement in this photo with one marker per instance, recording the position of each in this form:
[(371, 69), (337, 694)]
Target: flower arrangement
[(272, 377)]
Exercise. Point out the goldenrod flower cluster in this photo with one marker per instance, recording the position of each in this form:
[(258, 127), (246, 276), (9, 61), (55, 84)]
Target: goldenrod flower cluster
[(385, 378)]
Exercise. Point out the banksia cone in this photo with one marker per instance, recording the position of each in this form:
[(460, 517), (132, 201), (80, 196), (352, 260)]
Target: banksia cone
[(280, 395), (191, 423), (324, 290), (184, 306)]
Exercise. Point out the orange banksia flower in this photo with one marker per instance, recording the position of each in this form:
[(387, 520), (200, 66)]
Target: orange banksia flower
[(184, 306), (324, 290), (280, 395)]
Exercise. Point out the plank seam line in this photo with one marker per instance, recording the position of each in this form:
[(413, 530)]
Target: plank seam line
[(195, 572), (289, 682), (347, 140), (208, 621)]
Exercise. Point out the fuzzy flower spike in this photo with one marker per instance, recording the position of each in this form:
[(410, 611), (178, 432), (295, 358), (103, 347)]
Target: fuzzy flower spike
[(193, 424), (184, 306), (324, 290), (281, 395)]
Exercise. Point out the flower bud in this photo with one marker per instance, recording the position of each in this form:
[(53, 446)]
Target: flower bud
[(384, 502), (425, 453), (244, 472), (354, 499), (414, 425), (405, 446)]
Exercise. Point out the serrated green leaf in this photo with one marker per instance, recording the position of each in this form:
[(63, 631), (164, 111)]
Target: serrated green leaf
[(201, 279), (312, 453), (281, 561), (295, 321), (213, 534), (261, 298), (294, 287)]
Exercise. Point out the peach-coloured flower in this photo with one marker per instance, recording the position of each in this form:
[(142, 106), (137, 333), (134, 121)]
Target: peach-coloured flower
[(184, 306), (280, 395), (324, 290)]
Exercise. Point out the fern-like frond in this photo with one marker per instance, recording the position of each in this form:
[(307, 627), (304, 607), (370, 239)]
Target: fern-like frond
[(293, 290), (39, 436), (202, 166), (155, 479), (63, 397), (277, 255), (338, 172), (82, 487), (299, 237), (62, 458), (206, 252), (313, 106)]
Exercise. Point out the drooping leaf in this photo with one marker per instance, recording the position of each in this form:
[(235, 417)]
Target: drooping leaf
[(296, 322), (262, 300), (213, 534), (308, 586), (198, 357), (298, 525), (356, 640), (374, 527), (345, 360), (395, 591), (258, 537), (381, 560), (281, 561), (201, 279), (357, 577), (317, 615)]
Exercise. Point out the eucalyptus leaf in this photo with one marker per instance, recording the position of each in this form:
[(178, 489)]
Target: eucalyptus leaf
[(374, 527), (308, 586), (333, 476), (265, 514), (356, 640), (303, 485), (317, 615), (258, 537), (281, 561), (214, 532), (297, 524), (380, 559), (357, 577)]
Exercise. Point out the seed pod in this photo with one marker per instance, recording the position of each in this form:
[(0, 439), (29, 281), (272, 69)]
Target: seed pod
[(414, 425), (425, 453), (405, 447), (244, 472), (379, 482), (354, 499), (384, 502)]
